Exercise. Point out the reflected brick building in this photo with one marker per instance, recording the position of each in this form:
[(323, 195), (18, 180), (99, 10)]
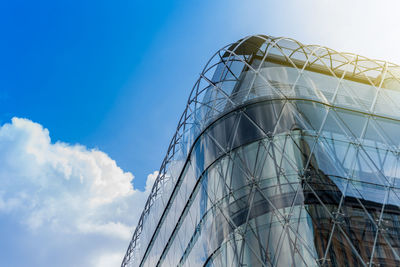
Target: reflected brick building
[(286, 155)]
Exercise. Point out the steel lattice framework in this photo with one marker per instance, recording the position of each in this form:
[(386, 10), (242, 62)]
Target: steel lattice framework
[(323, 108)]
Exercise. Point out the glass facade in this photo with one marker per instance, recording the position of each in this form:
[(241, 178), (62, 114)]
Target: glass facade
[(286, 155)]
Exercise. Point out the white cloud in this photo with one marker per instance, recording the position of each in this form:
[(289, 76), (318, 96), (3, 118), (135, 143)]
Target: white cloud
[(107, 260), (70, 199)]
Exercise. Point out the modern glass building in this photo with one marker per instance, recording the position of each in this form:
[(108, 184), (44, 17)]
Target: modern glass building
[(286, 155)]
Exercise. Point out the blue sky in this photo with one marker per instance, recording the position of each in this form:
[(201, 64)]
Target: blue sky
[(114, 76)]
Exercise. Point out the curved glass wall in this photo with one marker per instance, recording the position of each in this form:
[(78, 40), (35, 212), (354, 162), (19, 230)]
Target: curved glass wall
[(286, 155)]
